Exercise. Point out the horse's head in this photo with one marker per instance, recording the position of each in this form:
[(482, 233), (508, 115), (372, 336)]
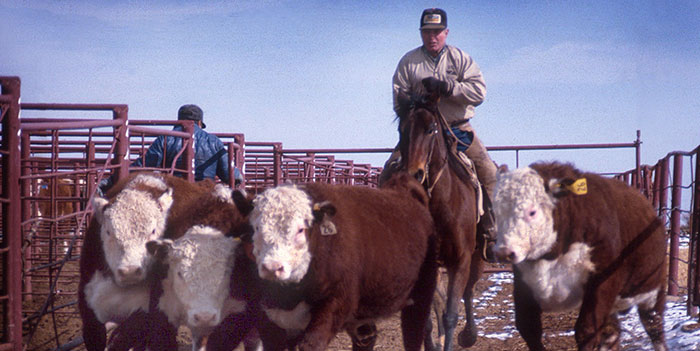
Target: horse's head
[(419, 132)]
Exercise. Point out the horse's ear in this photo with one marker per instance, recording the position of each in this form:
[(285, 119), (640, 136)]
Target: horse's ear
[(433, 97)]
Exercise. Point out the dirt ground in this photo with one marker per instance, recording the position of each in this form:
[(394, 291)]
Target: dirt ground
[(494, 316), (495, 321)]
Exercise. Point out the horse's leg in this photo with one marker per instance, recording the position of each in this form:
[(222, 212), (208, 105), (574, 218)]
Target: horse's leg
[(457, 282), (467, 337), (438, 306)]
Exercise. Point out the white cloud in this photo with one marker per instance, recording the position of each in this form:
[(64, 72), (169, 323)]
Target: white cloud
[(568, 63)]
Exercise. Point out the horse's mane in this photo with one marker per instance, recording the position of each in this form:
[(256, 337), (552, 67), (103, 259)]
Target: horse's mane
[(408, 103)]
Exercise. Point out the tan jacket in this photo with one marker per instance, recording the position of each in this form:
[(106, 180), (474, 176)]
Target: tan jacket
[(454, 66)]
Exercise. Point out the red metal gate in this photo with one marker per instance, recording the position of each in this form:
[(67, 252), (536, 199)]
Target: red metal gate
[(51, 167)]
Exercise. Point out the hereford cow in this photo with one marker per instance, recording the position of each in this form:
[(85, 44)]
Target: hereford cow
[(192, 276), (337, 257), (114, 262), (580, 240), (196, 287)]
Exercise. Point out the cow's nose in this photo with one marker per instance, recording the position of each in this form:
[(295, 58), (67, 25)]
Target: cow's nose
[(274, 268), (129, 272), (504, 254), (204, 318)]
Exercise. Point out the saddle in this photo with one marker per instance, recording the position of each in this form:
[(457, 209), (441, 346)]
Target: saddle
[(469, 177), (467, 174), (467, 171)]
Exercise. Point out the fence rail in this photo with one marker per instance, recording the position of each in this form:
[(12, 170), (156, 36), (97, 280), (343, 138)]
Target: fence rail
[(51, 168)]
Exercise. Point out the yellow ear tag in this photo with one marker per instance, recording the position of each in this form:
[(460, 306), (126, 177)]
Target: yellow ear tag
[(579, 187)]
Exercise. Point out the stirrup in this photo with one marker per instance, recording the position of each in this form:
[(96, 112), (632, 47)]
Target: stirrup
[(487, 224)]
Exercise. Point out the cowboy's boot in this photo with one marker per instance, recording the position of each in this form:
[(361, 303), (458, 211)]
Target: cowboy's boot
[(486, 172)]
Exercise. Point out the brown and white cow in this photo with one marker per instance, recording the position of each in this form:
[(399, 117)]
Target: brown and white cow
[(114, 263), (196, 287), (337, 257), (579, 240), (192, 276)]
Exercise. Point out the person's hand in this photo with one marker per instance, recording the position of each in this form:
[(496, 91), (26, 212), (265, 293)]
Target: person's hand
[(433, 84)]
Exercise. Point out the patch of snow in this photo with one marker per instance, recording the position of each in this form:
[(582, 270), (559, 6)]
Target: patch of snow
[(682, 330)]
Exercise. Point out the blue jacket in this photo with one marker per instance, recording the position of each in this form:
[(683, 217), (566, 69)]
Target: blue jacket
[(210, 159)]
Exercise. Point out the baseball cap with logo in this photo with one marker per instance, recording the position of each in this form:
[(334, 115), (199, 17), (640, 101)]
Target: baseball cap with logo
[(191, 112), (433, 18)]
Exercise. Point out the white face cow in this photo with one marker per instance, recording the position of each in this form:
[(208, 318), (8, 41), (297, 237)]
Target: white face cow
[(196, 289), (280, 219), (132, 219), (523, 211)]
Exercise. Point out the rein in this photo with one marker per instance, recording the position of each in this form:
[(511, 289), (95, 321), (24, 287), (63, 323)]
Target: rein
[(426, 180)]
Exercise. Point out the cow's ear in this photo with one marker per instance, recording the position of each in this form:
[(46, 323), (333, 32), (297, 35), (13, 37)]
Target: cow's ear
[(166, 200), (323, 213), (222, 192), (243, 231), (99, 204), (242, 202), (567, 186), (159, 248)]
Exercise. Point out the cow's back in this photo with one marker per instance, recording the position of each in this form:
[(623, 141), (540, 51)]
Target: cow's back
[(614, 215), (381, 234), (185, 197)]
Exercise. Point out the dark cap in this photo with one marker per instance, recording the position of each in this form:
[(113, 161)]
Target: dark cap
[(433, 19), (191, 112)]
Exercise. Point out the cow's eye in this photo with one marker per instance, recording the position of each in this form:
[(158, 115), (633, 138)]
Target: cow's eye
[(532, 213), (300, 231), (179, 274)]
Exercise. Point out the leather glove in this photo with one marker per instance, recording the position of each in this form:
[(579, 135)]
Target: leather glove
[(433, 84)]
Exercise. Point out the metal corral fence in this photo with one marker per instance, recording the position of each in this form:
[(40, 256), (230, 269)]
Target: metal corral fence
[(51, 167)]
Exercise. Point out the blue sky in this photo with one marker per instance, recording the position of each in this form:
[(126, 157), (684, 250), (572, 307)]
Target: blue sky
[(317, 74)]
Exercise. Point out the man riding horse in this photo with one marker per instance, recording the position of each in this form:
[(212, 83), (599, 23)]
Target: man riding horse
[(436, 67)]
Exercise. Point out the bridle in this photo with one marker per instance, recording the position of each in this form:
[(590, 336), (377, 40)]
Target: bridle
[(434, 130)]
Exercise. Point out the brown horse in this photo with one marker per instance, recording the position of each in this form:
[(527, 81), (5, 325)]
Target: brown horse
[(425, 154)]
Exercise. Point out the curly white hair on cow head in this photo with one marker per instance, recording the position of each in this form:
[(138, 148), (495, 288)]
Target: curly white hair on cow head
[(281, 218), (196, 289), (128, 221), (523, 209)]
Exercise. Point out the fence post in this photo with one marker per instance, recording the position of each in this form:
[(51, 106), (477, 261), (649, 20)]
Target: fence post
[(693, 259), (656, 189), (90, 163), (663, 189), (638, 160), (230, 157), (675, 224), (310, 168), (239, 159), (121, 136), (26, 187), (12, 234), (277, 163), (188, 127)]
